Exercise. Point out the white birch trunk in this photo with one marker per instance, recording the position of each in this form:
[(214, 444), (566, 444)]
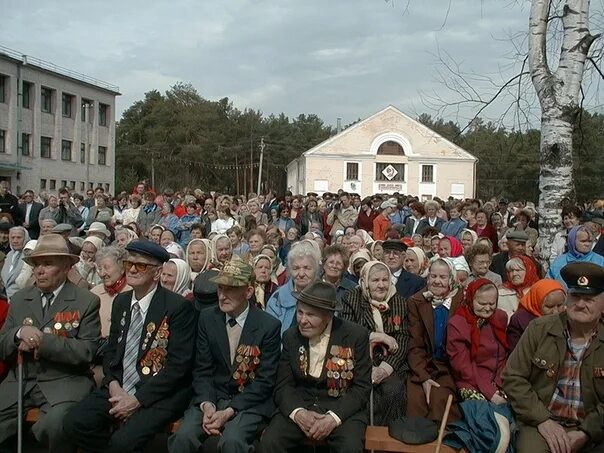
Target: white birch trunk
[(558, 92)]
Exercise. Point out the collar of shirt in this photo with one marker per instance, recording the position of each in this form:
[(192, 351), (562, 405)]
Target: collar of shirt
[(312, 342), (144, 302), (56, 291), (241, 318)]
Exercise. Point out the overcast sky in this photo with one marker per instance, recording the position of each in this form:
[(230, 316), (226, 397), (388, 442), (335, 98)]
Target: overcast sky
[(347, 58)]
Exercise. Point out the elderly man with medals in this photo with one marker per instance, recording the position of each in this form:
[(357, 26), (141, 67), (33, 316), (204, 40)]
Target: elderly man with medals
[(147, 362), (324, 378), (237, 354), (56, 327)]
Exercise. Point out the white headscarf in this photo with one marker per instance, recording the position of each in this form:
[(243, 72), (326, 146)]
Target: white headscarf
[(377, 307), (182, 285)]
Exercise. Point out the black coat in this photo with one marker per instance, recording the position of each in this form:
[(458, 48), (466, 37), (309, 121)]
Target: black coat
[(9, 204), (170, 388), (408, 284), (34, 224), (599, 247), (213, 375), (298, 389)]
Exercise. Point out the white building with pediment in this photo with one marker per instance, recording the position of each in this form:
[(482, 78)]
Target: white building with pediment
[(385, 153)]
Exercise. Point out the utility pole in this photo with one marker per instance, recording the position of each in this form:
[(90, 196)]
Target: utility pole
[(237, 170), (262, 145), (152, 171)]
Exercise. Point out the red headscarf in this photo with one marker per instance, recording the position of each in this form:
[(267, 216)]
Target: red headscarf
[(530, 277), (456, 247), (467, 312)]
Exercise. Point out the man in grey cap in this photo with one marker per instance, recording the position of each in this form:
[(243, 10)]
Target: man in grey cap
[(516, 246)]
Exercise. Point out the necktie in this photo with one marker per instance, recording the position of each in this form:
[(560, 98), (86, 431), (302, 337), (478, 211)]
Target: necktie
[(130, 372), (234, 334), (46, 302)]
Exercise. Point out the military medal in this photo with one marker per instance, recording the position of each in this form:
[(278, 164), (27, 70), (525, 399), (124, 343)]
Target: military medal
[(75, 324), (47, 330), (58, 326), (598, 372), (28, 322), (146, 370), (550, 373)]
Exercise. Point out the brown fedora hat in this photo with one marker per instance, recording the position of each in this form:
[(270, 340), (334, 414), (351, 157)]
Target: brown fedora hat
[(51, 245), (320, 295)]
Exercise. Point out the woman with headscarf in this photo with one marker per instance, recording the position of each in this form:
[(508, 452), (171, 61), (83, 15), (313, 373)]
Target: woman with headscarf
[(416, 261), (123, 237), (221, 250), (430, 382), (86, 266), (264, 287), (376, 250), (198, 256), (580, 242), (357, 261), (450, 247), (176, 277), (376, 305), (522, 274), (468, 238), (364, 235), (545, 297), (477, 348), (278, 271)]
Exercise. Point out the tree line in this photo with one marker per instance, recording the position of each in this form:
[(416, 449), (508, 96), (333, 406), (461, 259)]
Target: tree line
[(181, 140)]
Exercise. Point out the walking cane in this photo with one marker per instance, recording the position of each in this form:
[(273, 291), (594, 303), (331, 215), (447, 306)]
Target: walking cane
[(20, 402), (443, 424)]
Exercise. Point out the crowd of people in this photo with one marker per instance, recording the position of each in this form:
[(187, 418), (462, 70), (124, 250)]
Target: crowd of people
[(266, 320)]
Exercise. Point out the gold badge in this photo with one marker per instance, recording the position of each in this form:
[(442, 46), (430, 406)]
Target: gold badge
[(146, 370), (28, 322), (583, 281), (550, 373), (150, 327), (58, 326), (75, 324)]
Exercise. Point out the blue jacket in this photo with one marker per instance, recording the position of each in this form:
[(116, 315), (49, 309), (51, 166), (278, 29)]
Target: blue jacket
[(282, 305), (565, 258), (453, 227)]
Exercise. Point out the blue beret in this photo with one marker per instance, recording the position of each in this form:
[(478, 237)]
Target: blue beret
[(150, 249)]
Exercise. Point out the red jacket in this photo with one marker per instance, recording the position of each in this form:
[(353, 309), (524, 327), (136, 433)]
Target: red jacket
[(484, 373), (365, 222), (381, 225), (3, 314)]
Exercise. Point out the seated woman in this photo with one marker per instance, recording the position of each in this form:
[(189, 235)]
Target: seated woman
[(239, 247), (546, 297), (176, 277), (263, 286), (522, 274), (256, 240), (278, 272), (479, 257), (468, 238), (303, 263), (376, 250), (580, 243), (376, 305), (477, 348), (416, 261), (86, 267), (198, 256), (123, 236), (335, 262), (357, 261), (430, 382), (221, 250)]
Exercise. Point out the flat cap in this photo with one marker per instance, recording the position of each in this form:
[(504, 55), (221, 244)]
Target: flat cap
[(234, 273), (389, 203), (593, 216), (5, 226), (62, 228), (413, 430), (517, 235), (393, 244), (204, 289), (583, 278), (148, 248)]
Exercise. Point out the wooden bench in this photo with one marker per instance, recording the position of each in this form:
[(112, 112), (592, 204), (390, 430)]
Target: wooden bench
[(376, 438)]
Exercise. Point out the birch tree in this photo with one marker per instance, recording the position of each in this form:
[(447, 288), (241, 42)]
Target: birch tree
[(559, 93)]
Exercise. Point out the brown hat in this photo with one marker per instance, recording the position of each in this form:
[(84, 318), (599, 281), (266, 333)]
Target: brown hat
[(51, 245), (320, 295)]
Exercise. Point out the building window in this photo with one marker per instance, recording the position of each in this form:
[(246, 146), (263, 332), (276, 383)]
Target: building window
[(106, 187), (83, 153), (65, 150), (26, 95), (427, 173), (45, 145), (391, 148), (87, 105), (67, 104), (91, 185), (42, 184), (53, 184), (82, 186), (71, 185), (2, 141), (3, 85), (63, 184), (103, 114), (352, 171), (46, 100), (25, 144), (389, 172), (102, 155)]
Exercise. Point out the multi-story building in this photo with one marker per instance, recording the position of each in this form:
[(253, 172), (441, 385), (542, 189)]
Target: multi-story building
[(57, 127)]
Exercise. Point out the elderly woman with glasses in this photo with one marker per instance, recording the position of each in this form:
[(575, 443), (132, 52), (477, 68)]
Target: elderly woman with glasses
[(376, 305), (303, 263), (335, 262)]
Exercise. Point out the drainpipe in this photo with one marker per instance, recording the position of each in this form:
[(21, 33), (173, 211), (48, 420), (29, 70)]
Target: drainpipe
[(475, 189)]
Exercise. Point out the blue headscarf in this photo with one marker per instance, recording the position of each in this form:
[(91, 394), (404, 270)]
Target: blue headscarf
[(572, 241)]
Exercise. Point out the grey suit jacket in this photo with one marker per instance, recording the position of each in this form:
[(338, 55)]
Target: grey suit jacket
[(62, 367), (9, 276)]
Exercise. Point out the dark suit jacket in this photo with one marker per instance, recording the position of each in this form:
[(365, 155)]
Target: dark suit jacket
[(408, 284), (62, 370), (498, 265), (297, 389), (599, 247), (409, 223), (424, 224), (213, 373), (34, 224), (170, 389)]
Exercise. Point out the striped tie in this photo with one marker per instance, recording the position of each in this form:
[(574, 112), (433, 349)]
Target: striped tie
[(131, 376)]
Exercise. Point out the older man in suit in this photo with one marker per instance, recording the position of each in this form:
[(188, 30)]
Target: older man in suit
[(407, 284), (17, 237), (56, 327), (324, 378), (238, 348), (147, 363), (28, 212)]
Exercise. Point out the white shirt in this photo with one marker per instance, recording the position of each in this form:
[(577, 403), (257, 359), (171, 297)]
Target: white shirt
[(241, 318), (144, 302), (28, 207), (395, 276)]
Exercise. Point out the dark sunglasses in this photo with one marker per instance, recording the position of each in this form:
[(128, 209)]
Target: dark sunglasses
[(140, 267)]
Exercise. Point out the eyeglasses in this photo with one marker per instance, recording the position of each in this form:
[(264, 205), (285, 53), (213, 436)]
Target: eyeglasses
[(140, 267)]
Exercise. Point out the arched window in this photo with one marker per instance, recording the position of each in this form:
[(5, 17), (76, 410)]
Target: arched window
[(391, 148)]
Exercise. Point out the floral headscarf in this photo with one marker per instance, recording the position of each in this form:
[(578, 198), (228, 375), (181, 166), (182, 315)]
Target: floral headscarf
[(377, 307)]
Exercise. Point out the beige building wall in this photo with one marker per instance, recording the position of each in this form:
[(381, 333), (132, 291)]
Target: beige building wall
[(82, 169)]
